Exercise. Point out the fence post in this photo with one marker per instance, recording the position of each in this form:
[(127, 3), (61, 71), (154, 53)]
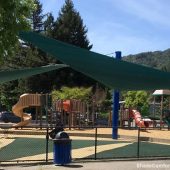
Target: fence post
[(138, 145), (95, 157), (47, 139)]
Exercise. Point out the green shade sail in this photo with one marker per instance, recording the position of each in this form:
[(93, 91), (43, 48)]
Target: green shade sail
[(9, 75), (113, 73)]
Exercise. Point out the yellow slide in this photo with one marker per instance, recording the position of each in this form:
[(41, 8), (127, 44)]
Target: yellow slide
[(25, 101)]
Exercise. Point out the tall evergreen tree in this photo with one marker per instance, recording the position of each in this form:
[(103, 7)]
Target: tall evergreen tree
[(38, 25), (37, 18), (75, 34), (49, 25), (44, 83), (69, 27)]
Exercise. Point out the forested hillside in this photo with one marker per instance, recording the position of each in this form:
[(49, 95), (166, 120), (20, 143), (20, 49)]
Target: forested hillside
[(157, 59)]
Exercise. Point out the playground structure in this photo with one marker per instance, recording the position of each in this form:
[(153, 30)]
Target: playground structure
[(128, 115), (68, 112), (125, 116), (164, 112), (25, 101), (37, 101), (73, 112), (159, 113), (77, 113)]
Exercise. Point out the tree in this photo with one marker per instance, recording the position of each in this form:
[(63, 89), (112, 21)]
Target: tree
[(29, 56), (138, 100), (14, 16), (37, 18), (49, 25), (38, 57), (69, 27), (25, 56), (72, 93)]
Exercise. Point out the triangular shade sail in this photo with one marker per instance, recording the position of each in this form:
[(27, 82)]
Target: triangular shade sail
[(109, 71), (9, 75)]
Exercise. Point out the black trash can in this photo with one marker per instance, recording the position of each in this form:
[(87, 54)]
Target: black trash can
[(62, 148)]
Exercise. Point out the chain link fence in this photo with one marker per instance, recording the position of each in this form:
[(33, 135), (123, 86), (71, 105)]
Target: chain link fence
[(34, 144)]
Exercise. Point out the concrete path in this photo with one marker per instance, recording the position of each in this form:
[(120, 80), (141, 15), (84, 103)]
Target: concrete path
[(109, 165)]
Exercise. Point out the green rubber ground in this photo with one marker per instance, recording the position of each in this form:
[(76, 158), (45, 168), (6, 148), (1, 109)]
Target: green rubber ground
[(22, 147)]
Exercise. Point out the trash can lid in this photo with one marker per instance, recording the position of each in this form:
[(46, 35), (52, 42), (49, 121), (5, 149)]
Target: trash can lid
[(61, 135)]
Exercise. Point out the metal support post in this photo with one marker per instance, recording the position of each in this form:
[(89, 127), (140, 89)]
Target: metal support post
[(115, 114)]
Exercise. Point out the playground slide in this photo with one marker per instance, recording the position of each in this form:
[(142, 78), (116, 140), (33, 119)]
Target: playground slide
[(25, 100), (138, 119)]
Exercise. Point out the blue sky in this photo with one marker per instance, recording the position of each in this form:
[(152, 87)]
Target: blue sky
[(130, 26)]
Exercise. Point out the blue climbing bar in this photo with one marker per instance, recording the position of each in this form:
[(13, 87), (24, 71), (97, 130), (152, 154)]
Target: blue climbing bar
[(115, 112)]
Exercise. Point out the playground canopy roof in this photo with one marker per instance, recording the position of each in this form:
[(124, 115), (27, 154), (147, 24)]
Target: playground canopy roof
[(161, 92), (113, 73), (9, 75)]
